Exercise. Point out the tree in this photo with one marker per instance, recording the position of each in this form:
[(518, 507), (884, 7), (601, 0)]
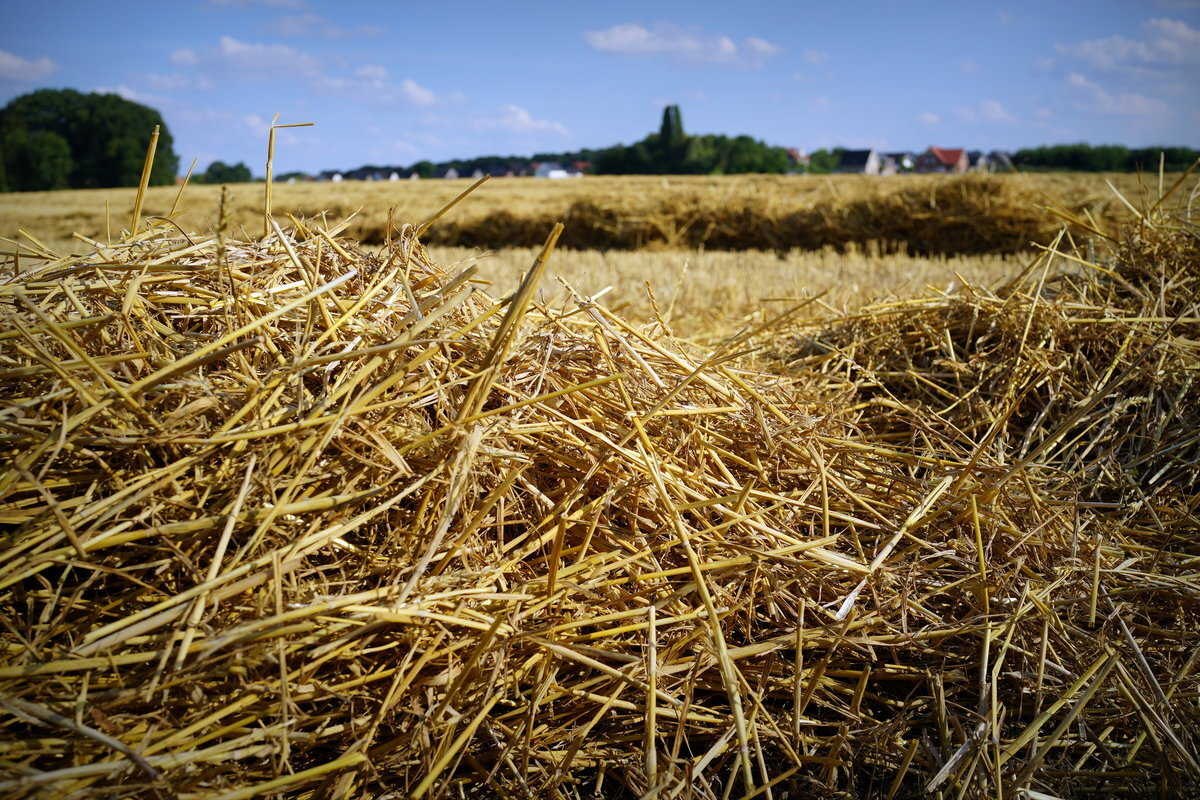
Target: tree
[(39, 161), (220, 172), (673, 152), (105, 135)]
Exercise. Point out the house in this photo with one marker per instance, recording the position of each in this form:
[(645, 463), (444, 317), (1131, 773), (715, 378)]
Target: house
[(977, 161), (395, 176), (942, 159), (450, 173), (905, 161), (1001, 160), (860, 162), (549, 169)]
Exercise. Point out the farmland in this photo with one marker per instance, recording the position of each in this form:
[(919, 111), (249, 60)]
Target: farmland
[(725, 245), (334, 513)]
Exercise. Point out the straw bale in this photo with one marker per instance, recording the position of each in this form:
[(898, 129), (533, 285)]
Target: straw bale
[(294, 517)]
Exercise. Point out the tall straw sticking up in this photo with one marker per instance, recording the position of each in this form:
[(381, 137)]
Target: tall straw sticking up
[(147, 166), (297, 518)]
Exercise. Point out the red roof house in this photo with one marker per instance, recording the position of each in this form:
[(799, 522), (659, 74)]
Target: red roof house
[(941, 159)]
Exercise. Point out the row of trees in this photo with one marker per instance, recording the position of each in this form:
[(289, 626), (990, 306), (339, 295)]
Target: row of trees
[(61, 138), (1104, 158)]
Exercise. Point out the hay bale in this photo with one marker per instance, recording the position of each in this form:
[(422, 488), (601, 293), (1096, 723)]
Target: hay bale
[(295, 517)]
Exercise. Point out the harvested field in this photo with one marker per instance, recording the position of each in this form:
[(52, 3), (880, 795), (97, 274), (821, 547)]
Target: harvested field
[(706, 295), (910, 213), (300, 517)]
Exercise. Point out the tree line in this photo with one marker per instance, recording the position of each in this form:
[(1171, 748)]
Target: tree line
[(1082, 157)]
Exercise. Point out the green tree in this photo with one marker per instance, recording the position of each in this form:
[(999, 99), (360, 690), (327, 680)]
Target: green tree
[(425, 169), (823, 161), (220, 172), (35, 161), (106, 138)]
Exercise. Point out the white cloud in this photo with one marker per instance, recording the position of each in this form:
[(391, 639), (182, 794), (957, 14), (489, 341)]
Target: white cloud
[(370, 85), (1164, 43), (687, 46), (815, 57), (132, 94), (312, 26), (175, 82), (416, 94), (517, 120), (186, 57), (251, 60), (245, 3), (992, 110), (371, 72), (15, 68), (928, 118), (1100, 101)]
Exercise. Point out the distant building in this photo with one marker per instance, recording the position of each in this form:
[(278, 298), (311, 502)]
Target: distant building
[(943, 159), (395, 176), (977, 161), (336, 177), (450, 173), (903, 160), (859, 162), (1001, 161), (555, 170)]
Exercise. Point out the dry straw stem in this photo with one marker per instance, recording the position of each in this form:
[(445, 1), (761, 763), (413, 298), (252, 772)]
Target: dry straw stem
[(295, 517)]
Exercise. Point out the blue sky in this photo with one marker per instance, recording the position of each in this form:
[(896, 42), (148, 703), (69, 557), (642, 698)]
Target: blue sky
[(395, 82)]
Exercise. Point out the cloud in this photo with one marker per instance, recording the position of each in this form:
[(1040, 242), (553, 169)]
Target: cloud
[(370, 85), (1099, 101), (185, 57), (246, 3), (1164, 43), (517, 120), (691, 46), (132, 94), (928, 118), (311, 26), (371, 72), (249, 61), (993, 111), (815, 57), (15, 68), (416, 94), (175, 82)]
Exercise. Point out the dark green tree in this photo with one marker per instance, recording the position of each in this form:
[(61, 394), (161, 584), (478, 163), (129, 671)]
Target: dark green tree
[(35, 161), (425, 169), (105, 134), (220, 172)]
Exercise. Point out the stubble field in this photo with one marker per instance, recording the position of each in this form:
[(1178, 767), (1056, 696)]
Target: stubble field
[(714, 250)]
